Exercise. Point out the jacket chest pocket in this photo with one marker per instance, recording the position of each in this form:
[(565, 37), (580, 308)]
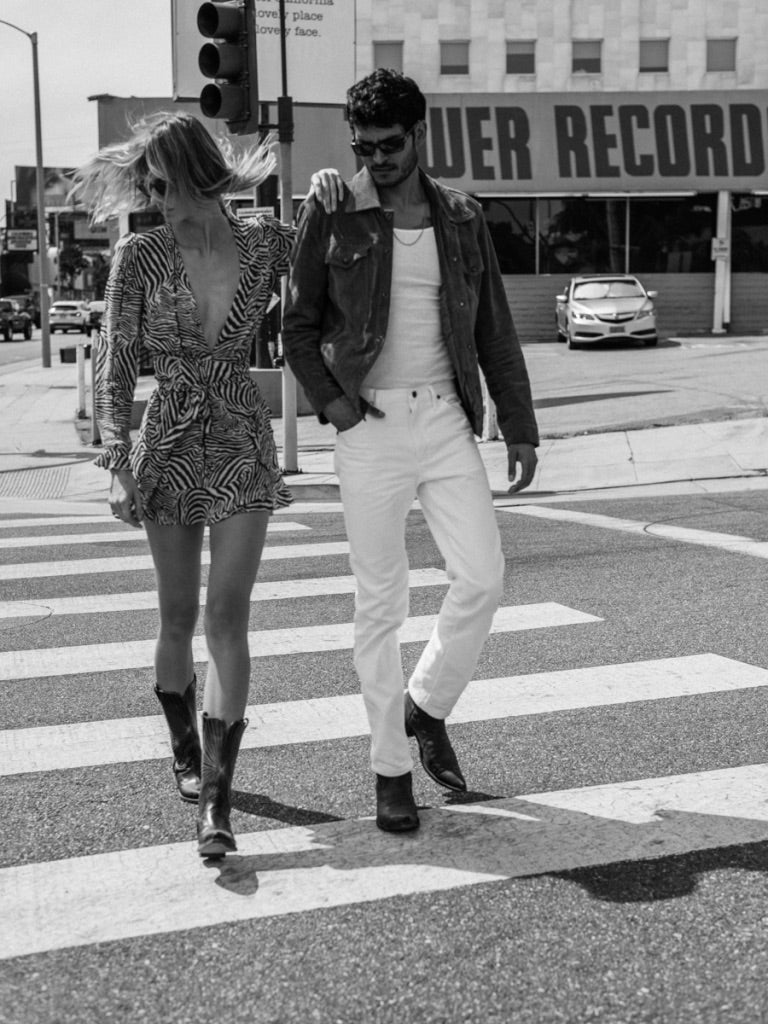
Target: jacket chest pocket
[(348, 255)]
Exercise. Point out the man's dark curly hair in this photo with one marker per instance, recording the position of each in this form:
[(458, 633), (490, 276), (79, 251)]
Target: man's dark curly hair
[(384, 98)]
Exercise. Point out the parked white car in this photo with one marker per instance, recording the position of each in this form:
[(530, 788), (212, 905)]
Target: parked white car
[(605, 307)]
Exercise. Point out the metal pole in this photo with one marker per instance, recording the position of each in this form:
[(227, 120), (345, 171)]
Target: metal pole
[(285, 136), (41, 239), (42, 249)]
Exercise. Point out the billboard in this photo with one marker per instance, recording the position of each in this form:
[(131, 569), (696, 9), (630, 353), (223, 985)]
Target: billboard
[(320, 49), (599, 142)]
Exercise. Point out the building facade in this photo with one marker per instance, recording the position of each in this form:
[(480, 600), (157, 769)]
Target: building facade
[(600, 136)]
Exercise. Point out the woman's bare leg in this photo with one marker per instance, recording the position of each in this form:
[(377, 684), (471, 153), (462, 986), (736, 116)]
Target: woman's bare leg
[(236, 546), (176, 554)]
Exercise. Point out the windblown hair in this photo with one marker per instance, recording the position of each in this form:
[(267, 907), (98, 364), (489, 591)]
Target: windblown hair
[(173, 148), (385, 98)]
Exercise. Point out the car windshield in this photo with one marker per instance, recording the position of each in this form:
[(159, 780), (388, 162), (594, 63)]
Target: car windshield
[(607, 290), (64, 305)]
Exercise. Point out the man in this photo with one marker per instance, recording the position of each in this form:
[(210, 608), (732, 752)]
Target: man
[(395, 297)]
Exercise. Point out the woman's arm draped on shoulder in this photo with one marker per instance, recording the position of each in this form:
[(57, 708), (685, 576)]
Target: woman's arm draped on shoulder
[(118, 353)]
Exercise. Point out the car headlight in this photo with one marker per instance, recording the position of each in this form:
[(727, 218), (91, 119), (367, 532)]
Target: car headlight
[(582, 314), (645, 310)]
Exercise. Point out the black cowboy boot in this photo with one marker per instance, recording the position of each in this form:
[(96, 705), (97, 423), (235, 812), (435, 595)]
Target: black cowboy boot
[(180, 711), (395, 806), (437, 755), (221, 744)]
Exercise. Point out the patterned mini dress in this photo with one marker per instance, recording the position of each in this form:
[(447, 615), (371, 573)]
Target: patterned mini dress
[(205, 449)]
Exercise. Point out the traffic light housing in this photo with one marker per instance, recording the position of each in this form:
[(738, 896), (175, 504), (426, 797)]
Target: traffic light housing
[(230, 59)]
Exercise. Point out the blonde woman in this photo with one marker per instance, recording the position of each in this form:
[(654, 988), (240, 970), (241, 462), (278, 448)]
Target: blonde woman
[(191, 293)]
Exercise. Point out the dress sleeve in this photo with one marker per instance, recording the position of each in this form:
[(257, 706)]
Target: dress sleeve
[(118, 354), (279, 238)]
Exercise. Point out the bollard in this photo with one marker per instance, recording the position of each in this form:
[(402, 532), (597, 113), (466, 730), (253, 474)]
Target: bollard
[(80, 411)]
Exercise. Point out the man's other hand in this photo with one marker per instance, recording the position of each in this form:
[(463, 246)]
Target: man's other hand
[(525, 456)]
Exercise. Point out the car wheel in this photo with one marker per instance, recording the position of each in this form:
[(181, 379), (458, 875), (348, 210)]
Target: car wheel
[(573, 344), (7, 334), (650, 342), (27, 331), (560, 336)]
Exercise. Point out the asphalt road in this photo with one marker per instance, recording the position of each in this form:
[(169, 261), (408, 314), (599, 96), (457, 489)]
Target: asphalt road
[(607, 865)]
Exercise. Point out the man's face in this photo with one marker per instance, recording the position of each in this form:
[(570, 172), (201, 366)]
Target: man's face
[(388, 169)]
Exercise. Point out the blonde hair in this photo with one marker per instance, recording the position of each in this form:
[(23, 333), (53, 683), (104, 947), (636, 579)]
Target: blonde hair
[(173, 148)]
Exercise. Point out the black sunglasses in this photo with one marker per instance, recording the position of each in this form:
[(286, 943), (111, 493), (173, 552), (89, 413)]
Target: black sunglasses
[(394, 144)]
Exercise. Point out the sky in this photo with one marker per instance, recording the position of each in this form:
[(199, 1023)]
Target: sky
[(85, 47)]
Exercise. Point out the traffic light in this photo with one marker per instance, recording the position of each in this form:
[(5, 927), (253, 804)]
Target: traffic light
[(231, 61)]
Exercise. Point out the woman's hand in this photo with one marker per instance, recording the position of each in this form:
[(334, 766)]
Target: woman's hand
[(125, 498), (327, 187)]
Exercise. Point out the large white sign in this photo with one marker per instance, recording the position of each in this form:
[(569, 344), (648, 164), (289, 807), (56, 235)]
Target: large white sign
[(319, 44)]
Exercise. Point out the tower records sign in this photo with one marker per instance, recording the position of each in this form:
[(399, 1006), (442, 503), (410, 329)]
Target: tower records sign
[(606, 142)]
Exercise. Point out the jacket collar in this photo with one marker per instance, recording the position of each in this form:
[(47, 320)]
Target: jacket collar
[(363, 195)]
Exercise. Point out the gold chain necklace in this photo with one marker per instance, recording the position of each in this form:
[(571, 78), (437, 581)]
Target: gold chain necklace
[(417, 239)]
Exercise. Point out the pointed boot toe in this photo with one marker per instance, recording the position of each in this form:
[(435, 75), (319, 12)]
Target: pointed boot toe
[(436, 754)]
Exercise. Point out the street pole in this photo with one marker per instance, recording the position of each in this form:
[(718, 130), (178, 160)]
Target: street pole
[(42, 254), (285, 138)]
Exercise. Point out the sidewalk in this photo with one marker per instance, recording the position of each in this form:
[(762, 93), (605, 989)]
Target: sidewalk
[(42, 456)]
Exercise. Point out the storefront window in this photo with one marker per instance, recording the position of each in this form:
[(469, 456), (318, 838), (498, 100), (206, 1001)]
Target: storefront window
[(749, 232), (582, 236), (512, 226), (671, 236)]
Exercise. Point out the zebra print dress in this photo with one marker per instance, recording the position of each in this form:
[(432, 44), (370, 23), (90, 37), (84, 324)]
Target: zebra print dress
[(205, 449)]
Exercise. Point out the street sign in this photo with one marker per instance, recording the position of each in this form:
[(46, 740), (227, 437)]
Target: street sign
[(20, 240), (721, 249)]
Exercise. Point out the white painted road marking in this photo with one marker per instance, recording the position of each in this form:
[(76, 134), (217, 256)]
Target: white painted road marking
[(84, 744), (129, 654), (161, 889), (276, 590), (298, 508), (121, 536), (725, 541), (136, 563)]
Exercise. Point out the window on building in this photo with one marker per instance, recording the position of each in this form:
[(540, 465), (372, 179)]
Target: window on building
[(671, 236), (512, 227), (749, 234), (388, 55), (454, 58), (721, 55), (582, 236), (654, 55), (521, 57), (586, 56)]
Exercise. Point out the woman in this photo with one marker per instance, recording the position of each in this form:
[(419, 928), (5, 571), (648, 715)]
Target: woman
[(192, 293)]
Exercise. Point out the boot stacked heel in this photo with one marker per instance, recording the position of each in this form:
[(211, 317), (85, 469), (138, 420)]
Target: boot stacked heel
[(221, 744), (180, 710)]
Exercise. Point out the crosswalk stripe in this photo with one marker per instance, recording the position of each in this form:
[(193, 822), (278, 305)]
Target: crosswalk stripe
[(120, 536), (158, 890), (726, 541), (275, 590), (63, 661), (30, 523), (85, 744), (136, 563), (115, 537)]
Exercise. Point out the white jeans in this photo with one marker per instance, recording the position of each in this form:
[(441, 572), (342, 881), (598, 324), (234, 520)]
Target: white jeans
[(423, 447)]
